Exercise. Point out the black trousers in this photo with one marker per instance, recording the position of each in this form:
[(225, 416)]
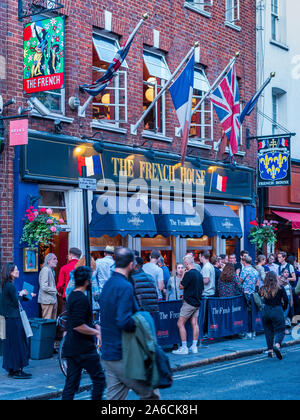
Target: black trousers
[(274, 325), (91, 363)]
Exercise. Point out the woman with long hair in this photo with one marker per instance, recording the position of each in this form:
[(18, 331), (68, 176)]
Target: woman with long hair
[(229, 284), (15, 346), (275, 302)]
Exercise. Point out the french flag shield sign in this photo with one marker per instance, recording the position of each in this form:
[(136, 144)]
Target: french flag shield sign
[(182, 94)]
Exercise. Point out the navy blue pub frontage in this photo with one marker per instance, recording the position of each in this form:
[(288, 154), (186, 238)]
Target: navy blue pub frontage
[(49, 161)]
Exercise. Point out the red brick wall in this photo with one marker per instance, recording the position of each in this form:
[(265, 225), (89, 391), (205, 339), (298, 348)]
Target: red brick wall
[(6, 158), (179, 27)]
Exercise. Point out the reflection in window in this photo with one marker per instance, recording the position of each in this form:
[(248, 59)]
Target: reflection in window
[(111, 104), (155, 75), (201, 122)]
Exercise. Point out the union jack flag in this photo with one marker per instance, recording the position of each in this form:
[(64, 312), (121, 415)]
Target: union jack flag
[(99, 85), (226, 101)]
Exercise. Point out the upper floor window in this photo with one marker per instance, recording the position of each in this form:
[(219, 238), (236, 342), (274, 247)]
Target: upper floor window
[(274, 19), (202, 119), (202, 5), (110, 106), (278, 109), (232, 14), (155, 75)]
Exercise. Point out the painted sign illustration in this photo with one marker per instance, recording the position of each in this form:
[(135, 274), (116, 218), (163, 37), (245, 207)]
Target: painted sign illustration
[(44, 46)]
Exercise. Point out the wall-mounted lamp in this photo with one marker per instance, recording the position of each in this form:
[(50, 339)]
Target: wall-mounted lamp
[(58, 126), (74, 103), (149, 153), (197, 162), (98, 145)]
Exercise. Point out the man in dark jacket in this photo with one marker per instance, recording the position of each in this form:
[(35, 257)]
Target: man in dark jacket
[(117, 306), (144, 288)]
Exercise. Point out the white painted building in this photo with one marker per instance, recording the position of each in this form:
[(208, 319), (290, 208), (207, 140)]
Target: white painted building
[(278, 50)]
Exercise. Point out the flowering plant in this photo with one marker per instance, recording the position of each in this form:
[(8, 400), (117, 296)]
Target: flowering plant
[(40, 226), (263, 233)]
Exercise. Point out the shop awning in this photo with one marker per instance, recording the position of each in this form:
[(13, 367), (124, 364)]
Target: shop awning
[(290, 216), (121, 216), (178, 220), (221, 221)]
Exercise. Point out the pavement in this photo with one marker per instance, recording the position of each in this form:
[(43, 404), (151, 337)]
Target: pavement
[(47, 380)]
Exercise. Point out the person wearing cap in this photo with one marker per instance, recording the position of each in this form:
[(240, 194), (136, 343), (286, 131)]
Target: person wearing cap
[(64, 273), (105, 266)]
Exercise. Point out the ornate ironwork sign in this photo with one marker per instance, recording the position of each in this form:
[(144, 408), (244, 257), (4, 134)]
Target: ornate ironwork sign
[(274, 162), (27, 8)]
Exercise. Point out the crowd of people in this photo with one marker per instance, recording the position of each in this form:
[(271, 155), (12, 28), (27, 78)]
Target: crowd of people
[(121, 284)]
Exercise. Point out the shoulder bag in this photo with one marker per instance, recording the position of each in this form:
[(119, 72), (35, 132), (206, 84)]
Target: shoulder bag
[(25, 322)]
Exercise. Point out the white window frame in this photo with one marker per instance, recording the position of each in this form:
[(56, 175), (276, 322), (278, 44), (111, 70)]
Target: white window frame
[(232, 12), (203, 113), (274, 19), (61, 189), (200, 5), (114, 86), (163, 97)]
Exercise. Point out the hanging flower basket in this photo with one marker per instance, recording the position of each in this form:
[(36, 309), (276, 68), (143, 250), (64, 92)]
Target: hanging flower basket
[(264, 233), (40, 227)]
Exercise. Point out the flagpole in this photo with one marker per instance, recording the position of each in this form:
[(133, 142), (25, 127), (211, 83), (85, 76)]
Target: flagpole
[(134, 127), (232, 61), (82, 109)]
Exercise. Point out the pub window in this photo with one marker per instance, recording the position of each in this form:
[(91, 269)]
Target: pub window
[(232, 14), (54, 200), (110, 106), (202, 119), (155, 75), (203, 5)]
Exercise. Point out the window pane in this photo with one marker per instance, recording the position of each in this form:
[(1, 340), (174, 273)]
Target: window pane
[(51, 99), (52, 199), (156, 65), (200, 81), (106, 48)]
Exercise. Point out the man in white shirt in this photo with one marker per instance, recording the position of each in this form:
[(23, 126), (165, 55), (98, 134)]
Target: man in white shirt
[(156, 273), (208, 273), (105, 266)]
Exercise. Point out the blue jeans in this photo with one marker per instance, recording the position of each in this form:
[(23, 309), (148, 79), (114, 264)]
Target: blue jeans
[(274, 325)]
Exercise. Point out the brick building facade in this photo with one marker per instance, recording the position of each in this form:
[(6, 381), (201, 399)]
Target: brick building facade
[(171, 30)]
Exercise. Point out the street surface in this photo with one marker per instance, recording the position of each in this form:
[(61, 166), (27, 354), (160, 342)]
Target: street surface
[(251, 378)]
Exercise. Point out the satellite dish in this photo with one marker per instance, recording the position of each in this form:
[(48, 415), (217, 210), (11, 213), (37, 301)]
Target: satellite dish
[(1, 104)]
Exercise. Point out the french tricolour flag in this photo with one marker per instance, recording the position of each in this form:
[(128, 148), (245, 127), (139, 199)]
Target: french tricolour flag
[(219, 182), (92, 163), (182, 94)]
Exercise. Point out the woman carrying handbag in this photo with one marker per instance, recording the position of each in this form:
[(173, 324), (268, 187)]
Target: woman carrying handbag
[(15, 346)]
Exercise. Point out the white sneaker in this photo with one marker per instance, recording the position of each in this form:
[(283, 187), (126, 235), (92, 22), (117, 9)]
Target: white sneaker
[(194, 349), (182, 350)]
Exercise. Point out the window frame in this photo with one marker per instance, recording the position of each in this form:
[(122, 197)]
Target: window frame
[(203, 126), (160, 117), (230, 12), (200, 6), (116, 122), (274, 19)]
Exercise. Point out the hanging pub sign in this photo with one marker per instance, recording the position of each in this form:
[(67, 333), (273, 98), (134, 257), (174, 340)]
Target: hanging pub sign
[(44, 55), (274, 161)]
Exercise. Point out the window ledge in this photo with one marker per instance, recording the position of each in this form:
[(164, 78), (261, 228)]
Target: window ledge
[(156, 136), (60, 117), (239, 153), (195, 9), (108, 127), (199, 144), (233, 26), (279, 44)]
